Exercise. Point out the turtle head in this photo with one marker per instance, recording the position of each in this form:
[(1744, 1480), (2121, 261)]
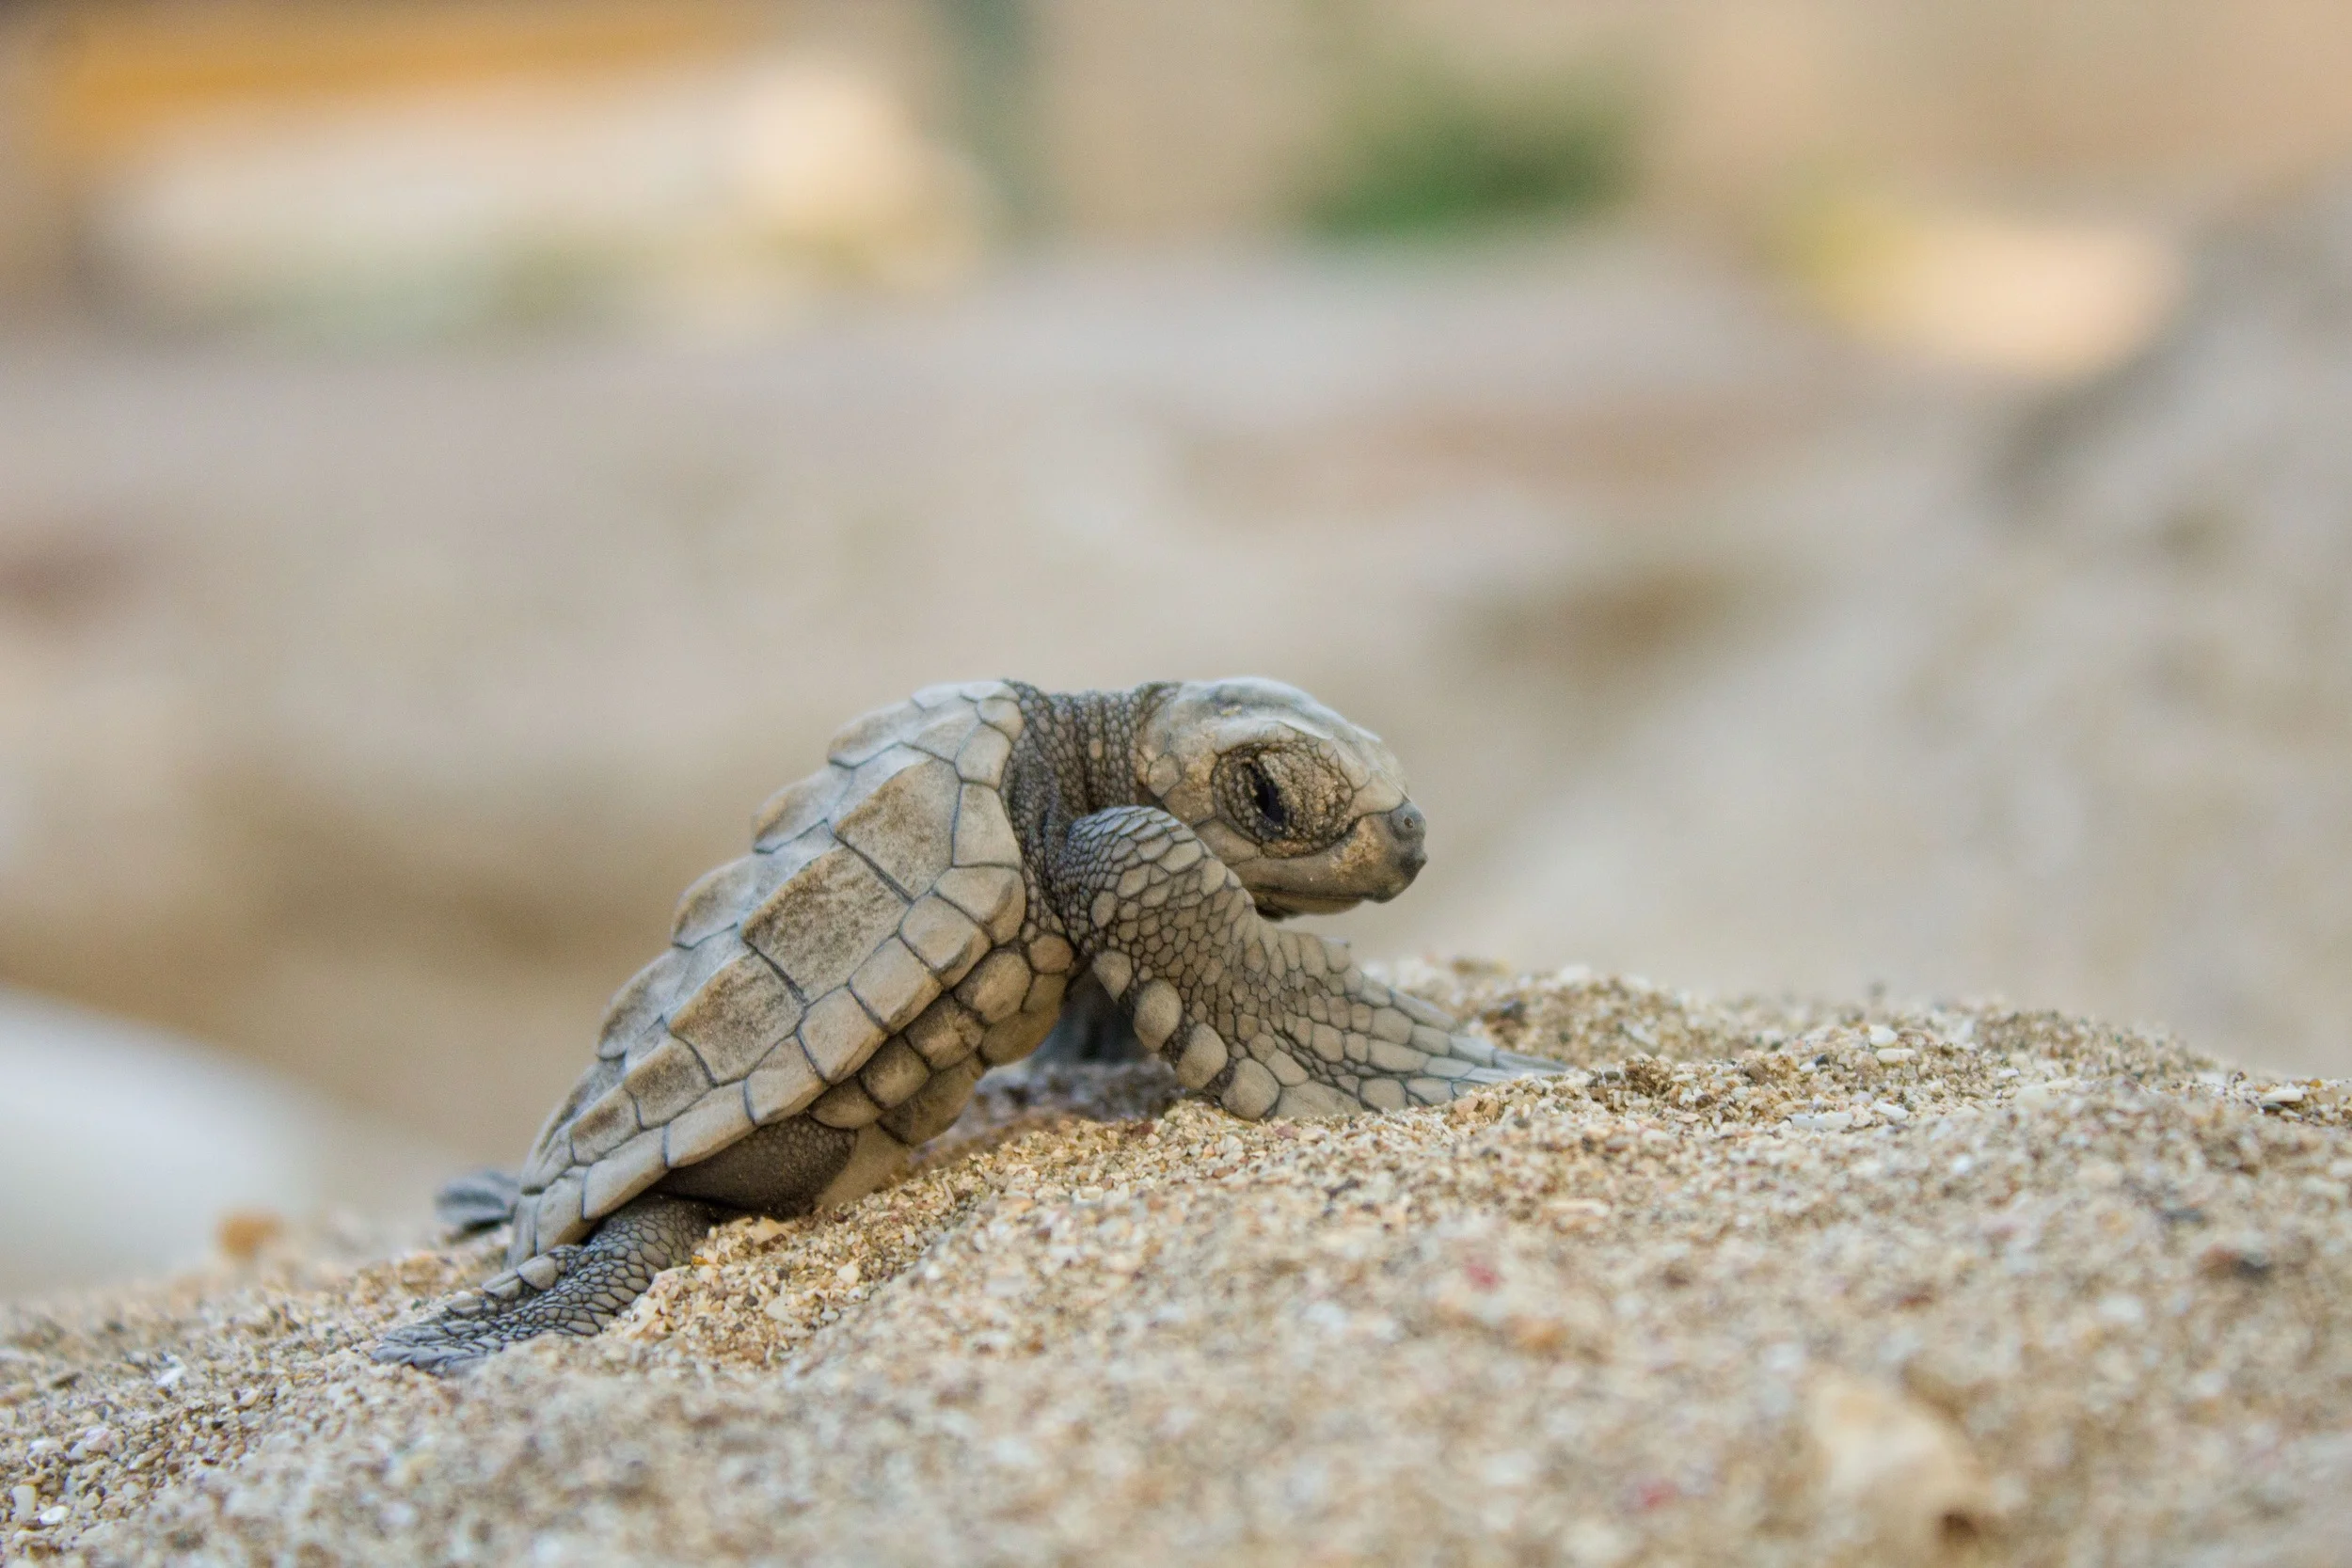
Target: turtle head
[(1309, 810)]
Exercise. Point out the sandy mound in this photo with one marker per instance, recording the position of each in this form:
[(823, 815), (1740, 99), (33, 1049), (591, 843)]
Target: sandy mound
[(1797, 1285)]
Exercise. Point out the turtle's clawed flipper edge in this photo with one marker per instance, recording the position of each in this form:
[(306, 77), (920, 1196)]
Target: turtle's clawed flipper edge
[(568, 1290)]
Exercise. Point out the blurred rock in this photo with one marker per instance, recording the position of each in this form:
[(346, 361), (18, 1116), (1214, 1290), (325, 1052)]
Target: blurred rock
[(129, 1152)]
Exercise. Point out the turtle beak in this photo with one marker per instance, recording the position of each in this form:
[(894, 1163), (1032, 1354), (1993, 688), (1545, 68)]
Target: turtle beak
[(1407, 831), (1402, 850), (1377, 860)]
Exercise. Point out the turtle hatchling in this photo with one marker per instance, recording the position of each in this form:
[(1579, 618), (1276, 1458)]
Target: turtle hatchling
[(917, 912)]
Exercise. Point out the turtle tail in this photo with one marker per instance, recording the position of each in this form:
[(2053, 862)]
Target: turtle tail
[(478, 1201)]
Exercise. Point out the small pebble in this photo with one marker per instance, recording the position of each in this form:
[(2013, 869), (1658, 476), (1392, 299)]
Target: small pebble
[(98, 1440)]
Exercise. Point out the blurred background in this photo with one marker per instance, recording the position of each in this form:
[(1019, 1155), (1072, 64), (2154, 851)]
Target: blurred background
[(1823, 494)]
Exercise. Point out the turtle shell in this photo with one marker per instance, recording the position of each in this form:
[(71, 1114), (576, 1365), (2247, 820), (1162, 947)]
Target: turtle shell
[(872, 886)]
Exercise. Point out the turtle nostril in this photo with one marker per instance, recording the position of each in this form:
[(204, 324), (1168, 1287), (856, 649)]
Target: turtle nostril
[(1408, 827)]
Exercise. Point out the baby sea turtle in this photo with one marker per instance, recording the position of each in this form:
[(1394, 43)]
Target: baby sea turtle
[(915, 913)]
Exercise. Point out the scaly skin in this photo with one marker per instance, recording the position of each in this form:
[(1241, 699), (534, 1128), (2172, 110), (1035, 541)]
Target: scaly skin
[(1262, 1021), (567, 1290), (1162, 830)]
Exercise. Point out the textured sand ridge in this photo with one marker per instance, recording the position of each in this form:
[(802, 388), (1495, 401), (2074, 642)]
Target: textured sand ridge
[(1801, 1283)]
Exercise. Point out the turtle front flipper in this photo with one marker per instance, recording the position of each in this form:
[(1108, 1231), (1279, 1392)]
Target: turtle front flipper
[(1263, 1020), (567, 1290)]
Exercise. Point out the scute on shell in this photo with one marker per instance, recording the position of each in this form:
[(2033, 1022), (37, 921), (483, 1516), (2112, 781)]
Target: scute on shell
[(853, 918)]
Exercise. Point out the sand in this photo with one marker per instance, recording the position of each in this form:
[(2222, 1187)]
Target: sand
[(1760, 1282)]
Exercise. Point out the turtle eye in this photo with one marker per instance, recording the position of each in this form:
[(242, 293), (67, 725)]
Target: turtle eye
[(1267, 796), (1282, 800)]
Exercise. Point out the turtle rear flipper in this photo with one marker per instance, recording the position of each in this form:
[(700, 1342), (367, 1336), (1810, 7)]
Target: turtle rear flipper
[(480, 1201), (567, 1290)]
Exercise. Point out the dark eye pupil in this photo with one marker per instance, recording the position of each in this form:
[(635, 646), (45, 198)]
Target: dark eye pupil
[(1266, 798)]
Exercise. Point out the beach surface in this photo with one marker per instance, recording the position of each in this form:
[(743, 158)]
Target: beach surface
[(1767, 1282)]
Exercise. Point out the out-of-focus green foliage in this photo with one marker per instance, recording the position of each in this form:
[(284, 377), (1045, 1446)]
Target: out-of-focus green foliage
[(1421, 153)]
